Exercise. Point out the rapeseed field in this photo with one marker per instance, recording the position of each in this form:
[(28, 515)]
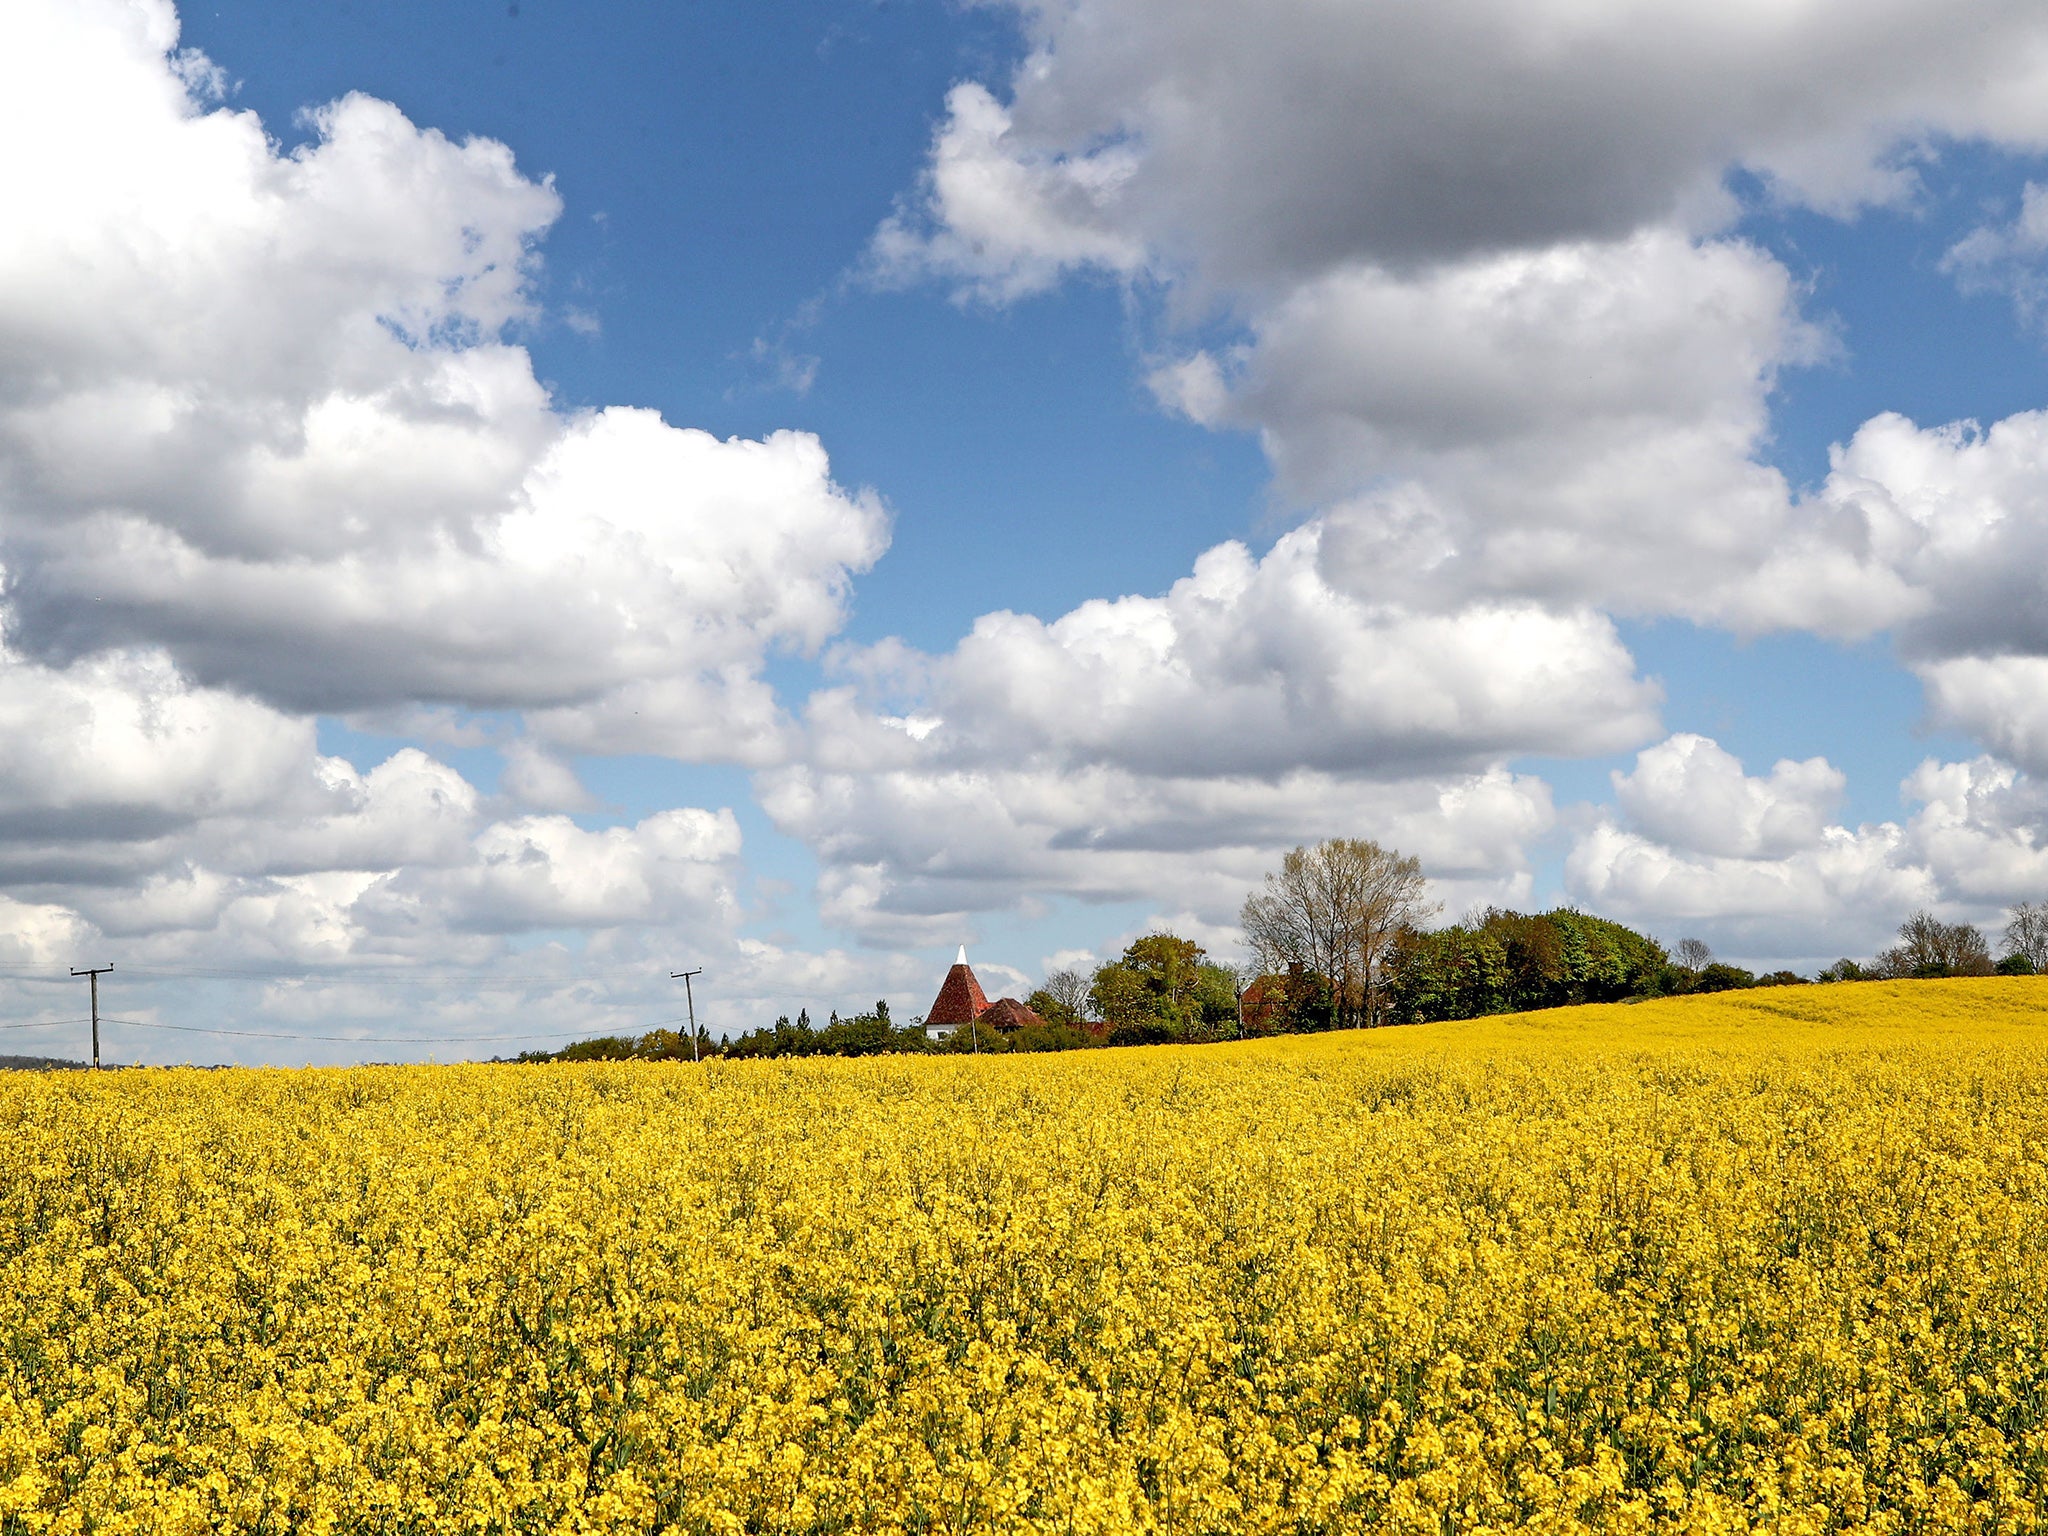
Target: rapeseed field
[(1772, 1260)]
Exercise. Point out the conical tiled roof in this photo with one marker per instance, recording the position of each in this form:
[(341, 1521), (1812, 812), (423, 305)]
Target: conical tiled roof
[(960, 999)]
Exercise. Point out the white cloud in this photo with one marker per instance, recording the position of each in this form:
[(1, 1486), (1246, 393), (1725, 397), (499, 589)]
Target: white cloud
[(1256, 667), (540, 781), (911, 855), (1690, 794), (1572, 425), (2010, 258), (539, 872), (1369, 373), (41, 934), (2002, 701), (1489, 329), (258, 410), (1846, 892), (1961, 514), (1178, 744), (144, 807), (1261, 145), (1004, 219), (121, 745), (1752, 865)]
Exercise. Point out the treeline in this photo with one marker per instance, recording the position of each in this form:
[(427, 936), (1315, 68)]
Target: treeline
[(1514, 962), (1341, 939), (874, 1033)]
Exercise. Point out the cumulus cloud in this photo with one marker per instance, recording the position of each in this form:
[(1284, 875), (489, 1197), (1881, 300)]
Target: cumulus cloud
[(1490, 329), (1255, 667), (1266, 144), (1261, 145), (1754, 864), (1010, 219), (2002, 701), (1688, 793), (1177, 744), (1572, 425), (2011, 258), (1961, 514), (144, 805), (540, 781), (121, 744), (170, 826), (1849, 889), (259, 411), (911, 855)]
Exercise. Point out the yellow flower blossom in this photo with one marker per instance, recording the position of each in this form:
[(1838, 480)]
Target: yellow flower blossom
[(1762, 1261)]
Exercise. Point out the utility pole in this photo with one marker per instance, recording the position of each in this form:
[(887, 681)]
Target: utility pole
[(690, 998), (95, 972)]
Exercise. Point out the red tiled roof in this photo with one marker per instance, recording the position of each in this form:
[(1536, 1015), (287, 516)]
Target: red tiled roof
[(960, 1000), (1008, 1013)]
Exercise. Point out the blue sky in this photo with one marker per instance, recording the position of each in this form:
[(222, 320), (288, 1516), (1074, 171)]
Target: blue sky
[(1512, 434)]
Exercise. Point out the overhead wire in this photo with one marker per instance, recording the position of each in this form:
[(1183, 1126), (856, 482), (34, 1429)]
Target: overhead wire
[(197, 973), (264, 1034), (481, 979)]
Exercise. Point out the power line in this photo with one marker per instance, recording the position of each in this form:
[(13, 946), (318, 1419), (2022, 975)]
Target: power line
[(479, 979), (264, 1034), (260, 1034)]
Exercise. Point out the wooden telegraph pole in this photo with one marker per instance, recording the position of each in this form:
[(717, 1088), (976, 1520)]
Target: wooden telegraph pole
[(689, 998), (95, 972)]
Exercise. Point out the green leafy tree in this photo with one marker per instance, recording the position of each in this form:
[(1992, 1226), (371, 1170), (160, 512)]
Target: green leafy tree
[(1722, 978), (1215, 1011), (1051, 1009), (1510, 962), (1123, 1002), (1170, 967)]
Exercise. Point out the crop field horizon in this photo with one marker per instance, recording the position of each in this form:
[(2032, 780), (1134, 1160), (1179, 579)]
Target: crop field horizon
[(1768, 1260)]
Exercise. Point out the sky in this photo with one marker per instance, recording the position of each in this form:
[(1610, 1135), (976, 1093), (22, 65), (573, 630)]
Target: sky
[(499, 502)]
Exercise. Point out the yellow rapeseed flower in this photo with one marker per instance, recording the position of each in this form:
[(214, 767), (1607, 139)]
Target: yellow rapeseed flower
[(1770, 1260)]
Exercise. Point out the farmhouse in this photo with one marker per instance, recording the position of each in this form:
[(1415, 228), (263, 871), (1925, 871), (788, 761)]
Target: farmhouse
[(961, 1002)]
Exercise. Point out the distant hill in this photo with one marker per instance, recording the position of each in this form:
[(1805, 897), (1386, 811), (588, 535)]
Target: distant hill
[(39, 1064)]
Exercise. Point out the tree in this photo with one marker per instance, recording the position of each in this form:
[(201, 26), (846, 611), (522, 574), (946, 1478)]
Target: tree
[(1155, 990), (1694, 956), (1120, 999), (1169, 966), (1507, 962), (1334, 910), (1723, 978), (2026, 937), (1068, 989), (1929, 947)]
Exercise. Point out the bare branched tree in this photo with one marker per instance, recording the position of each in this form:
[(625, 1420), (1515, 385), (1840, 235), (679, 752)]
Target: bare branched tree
[(1694, 956), (1334, 909), (1929, 947), (2026, 933), (1069, 988)]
